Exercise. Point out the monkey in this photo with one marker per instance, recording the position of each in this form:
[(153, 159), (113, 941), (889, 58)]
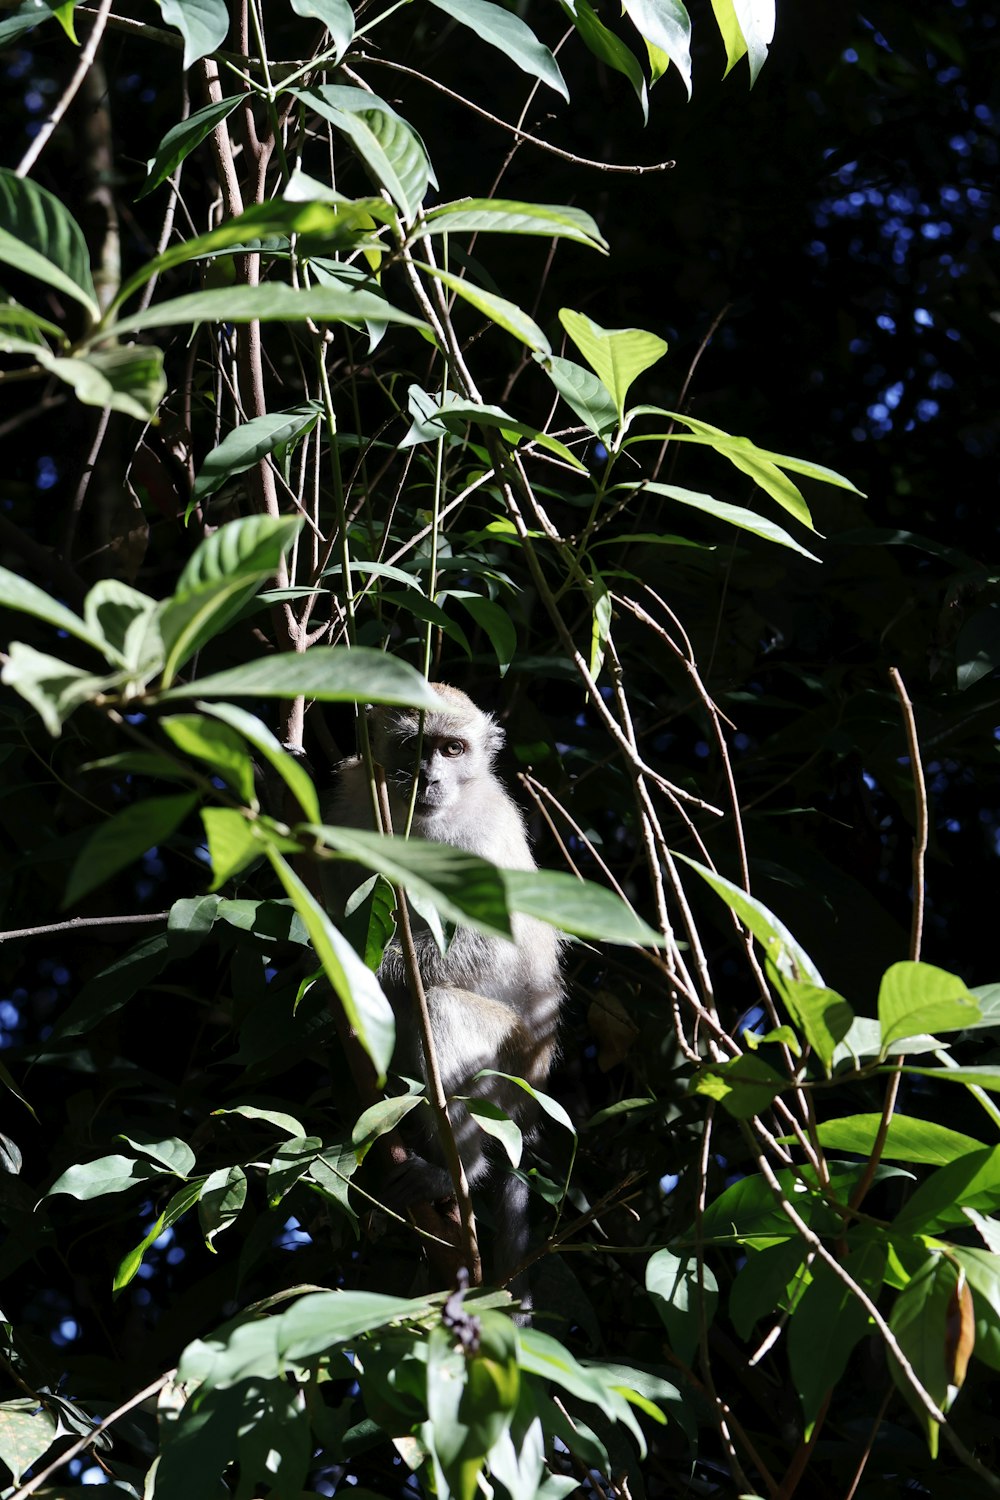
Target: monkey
[(493, 1002)]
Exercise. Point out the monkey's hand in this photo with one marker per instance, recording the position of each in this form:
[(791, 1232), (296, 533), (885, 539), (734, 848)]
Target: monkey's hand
[(416, 1180)]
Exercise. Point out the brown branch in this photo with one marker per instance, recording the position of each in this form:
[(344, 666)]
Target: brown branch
[(77, 923)]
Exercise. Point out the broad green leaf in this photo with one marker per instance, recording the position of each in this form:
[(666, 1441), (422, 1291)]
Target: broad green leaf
[(180, 140), (204, 25), (178, 1206), (665, 25), (583, 393), (106, 1174), (171, 1153), (122, 617), (600, 624), (494, 621), (17, 21), (577, 906), (40, 238), (28, 1428), (271, 302), (247, 444), (616, 355), (29, 325), (222, 574), (328, 674), (275, 1117), (359, 992), (222, 1197), (52, 687), (745, 1086), (463, 887), (790, 960), (510, 216), (915, 998), (683, 1294), (748, 1213), (17, 593), (390, 148), (120, 841), (740, 447), (545, 1102), (826, 1324), (908, 1139), (129, 379), (823, 1016), (605, 45), (223, 749), (294, 775), (289, 1163), (379, 1119), (986, 1076), (232, 843), (452, 415), (510, 35), (506, 315), (735, 515), (498, 1124), (969, 1181), (747, 26), (335, 15), (923, 1321)]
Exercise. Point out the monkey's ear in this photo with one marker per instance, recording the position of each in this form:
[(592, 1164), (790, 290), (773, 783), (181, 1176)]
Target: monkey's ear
[(495, 737)]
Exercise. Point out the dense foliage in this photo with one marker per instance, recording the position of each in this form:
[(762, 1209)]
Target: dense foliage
[(338, 353)]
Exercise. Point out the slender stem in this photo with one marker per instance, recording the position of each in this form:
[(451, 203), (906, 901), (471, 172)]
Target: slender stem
[(68, 94)]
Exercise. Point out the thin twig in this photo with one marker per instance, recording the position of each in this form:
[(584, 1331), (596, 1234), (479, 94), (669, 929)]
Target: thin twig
[(68, 94), (75, 923)]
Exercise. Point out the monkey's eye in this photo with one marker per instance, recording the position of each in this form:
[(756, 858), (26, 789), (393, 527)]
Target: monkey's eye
[(453, 748)]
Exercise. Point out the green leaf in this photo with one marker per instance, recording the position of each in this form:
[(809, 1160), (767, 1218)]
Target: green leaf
[(747, 26), (365, 1006), (40, 238), (335, 15), (180, 140), (922, 1320), (128, 379), (294, 775), (683, 1294), (460, 885), (577, 906), (984, 1077), (274, 1117), (172, 1153), (734, 515), (745, 1086), (106, 1174), (431, 416), (915, 998), (665, 25), (271, 302), (600, 624), (611, 50), (389, 147), (511, 36), (969, 1181), (17, 593), (204, 25), (222, 748), (826, 1324), (123, 618), (583, 393), (822, 1015), (511, 216), (982, 1271), (378, 1119), (498, 1124), (223, 573), (232, 843), (120, 841), (908, 1138), (494, 621), (506, 315), (52, 687), (790, 961), (223, 1195), (327, 674), (748, 453), (545, 1102), (247, 444), (27, 1427), (616, 355), (179, 1204)]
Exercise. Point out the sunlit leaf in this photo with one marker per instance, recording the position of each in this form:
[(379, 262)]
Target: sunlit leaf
[(40, 238), (510, 216), (204, 25), (328, 674), (504, 30), (390, 148), (616, 355), (915, 998)]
